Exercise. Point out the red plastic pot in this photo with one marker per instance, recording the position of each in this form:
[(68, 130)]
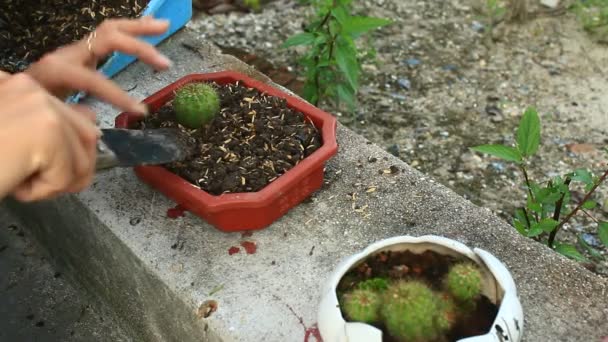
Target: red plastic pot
[(242, 211)]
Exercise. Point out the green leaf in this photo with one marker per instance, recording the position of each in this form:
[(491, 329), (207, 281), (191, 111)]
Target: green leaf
[(520, 215), (521, 228), (536, 230), (528, 133), (548, 224), (594, 252), (589, 205), (582, 175), (603, 233), (356, 26), (569, 251), (347, 62), (500, 151), (533, 206), (310, 92), (304, 38), (340, 14), (346, 94)]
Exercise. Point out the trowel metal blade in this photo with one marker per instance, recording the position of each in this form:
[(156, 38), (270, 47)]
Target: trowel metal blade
[(146, 147)]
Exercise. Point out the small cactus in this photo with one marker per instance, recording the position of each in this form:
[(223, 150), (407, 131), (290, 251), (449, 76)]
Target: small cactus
[(448, 312), (411, 312), (374, 284), (362, 305), (196, 104), (463, 282)]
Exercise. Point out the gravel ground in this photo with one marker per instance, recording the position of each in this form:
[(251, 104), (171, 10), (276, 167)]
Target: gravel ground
[(442, 83)]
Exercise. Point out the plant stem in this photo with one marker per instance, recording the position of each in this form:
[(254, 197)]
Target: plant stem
[(323, 23), (589, 215), (578, 207), (560, 203), (527, 179)]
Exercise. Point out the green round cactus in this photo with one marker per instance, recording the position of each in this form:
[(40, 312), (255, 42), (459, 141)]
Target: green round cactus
[(463, 282), (448, 312), (362, 305), (411, 312), (196, 104), (374, 284)]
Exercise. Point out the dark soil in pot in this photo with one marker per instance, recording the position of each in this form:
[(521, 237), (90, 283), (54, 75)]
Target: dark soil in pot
[(31, 28), (252, 141), (430, 268)]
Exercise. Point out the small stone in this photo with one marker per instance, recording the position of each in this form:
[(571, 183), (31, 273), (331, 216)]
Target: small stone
[(404, 83), (493, 110), (386, 103), (444, 134), (550, 3), (590, 240), (450, 67), (134, 221), (605, 206), (412, 62), (369, 68), (398, 97), (393, 149), (498, 166), (471, 161), (580, 148), (477, 26)]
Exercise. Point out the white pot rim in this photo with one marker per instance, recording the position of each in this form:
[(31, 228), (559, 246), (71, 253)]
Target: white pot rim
[(499, 287)]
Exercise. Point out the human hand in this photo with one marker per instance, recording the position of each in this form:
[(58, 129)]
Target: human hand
[(73, 67), (46, 147)]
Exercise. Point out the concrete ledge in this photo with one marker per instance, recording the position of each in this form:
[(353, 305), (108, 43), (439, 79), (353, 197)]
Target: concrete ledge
[(156, 272)]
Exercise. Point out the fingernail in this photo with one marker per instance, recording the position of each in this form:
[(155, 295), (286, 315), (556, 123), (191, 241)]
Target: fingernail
[(164, 60)]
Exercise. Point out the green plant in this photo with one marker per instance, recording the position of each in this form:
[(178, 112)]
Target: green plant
[(549, 204), (463, 282), (331, 63), (413, 312), (374, 284), (253, 4), (362, 306), (196, 104), (594, 16), (494, 13)]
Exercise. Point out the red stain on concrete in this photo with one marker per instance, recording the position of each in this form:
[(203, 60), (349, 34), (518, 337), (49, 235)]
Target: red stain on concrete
[(250, 247), (233, 250), (313, 331), (176, 212)]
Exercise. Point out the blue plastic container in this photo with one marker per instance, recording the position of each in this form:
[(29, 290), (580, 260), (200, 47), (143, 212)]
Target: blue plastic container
[(178, 12)]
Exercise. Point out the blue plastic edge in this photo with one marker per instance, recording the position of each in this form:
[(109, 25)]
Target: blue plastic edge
[(178, 12)]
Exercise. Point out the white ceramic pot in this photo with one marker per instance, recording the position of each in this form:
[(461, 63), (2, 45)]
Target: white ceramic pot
[(498, 286)]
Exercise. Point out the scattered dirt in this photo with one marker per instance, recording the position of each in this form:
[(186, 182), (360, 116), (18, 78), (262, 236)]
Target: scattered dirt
[(29, 29), (430, 268), (442, 82), (255, 139)]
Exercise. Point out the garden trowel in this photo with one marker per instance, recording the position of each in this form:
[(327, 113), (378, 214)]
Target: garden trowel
[(132, 147)]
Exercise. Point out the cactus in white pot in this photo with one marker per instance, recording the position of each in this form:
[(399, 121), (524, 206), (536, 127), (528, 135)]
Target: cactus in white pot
[(410, 307)]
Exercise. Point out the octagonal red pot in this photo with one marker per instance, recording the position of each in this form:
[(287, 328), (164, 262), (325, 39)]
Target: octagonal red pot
[(242, 211)]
